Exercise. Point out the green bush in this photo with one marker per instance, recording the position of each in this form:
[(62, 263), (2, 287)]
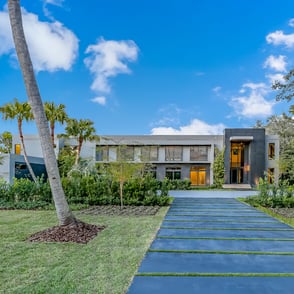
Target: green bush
[(271, 195), (81, 189)]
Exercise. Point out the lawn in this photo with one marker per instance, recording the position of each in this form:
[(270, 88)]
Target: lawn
[(104, 265)]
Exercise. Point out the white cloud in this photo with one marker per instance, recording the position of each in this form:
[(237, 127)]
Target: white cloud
[(276, 63), (51, 2), (54, 2), (196, 127), (279, 38), (217, 89), (108, 59), (291, 23), (55, 48), (275, 77), (6, 41), (100, 100), (254, 103)]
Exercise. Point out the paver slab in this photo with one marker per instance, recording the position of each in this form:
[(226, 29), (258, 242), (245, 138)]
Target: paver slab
[(163, 262), (226, 233), (223, 245), (225, 224), (212, 285)]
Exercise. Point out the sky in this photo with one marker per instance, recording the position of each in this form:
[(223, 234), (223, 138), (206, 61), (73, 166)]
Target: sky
[(153, 67)]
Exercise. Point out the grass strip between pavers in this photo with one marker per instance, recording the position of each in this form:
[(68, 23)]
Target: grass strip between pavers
[(227, 229), (220, 215), (212, 209), (225, 238), (219, 252), (216, 221), (154, 274)]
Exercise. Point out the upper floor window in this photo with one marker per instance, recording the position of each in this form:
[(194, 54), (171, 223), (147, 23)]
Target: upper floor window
[(125, 153), (102, 153), (271, 151), (149, 153), (173, 153), (198, 153)]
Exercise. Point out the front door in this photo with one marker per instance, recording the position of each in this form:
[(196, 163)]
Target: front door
[(198, 176), (237, 163)]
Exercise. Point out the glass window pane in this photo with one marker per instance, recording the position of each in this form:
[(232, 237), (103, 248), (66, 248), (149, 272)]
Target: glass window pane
[(199, 153), (173, 153), (271, 151)]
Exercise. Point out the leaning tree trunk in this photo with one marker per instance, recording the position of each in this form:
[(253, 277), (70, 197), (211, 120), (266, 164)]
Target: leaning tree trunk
[(80, 143), (25, 153), (64, 213), (52, 127)]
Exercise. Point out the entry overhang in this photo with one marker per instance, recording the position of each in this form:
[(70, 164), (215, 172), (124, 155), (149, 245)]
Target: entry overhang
[(241, 138)]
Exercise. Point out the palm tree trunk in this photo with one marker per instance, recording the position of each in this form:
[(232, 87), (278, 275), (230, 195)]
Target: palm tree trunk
[(79, 151), (25, 152), (64, 213), (52, 127)]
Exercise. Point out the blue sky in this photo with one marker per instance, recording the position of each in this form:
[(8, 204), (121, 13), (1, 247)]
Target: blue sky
[(139, 67)]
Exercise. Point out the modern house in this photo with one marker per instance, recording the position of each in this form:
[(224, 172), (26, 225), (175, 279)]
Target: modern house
[(248, 154)]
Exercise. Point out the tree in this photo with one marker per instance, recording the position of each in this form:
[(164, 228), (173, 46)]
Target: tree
[(286, 88), (20, 111), (283, 126), (5, 142), (124, 169), (219, 168), (54, 113), (64, 214), (83, 130)]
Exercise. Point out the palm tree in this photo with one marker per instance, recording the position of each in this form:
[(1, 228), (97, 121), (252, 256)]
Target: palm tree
[(82, 130), (64, 214), (54, 113), (5, 142), (20, 111)]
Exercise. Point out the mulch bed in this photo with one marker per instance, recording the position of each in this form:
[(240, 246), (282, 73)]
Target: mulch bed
[(285, 212), (82, 232), (79, 233)]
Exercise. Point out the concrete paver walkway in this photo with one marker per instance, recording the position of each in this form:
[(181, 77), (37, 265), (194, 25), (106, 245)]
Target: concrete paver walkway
[(217, 245)]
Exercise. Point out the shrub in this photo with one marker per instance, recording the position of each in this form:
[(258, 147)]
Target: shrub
[(271, 195)]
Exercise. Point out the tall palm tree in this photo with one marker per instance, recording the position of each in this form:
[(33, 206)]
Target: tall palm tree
[(82, 130), (20, 111), (64, 214), (54, 113)]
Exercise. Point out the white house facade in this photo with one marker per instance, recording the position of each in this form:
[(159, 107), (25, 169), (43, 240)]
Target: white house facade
[(248, 155)]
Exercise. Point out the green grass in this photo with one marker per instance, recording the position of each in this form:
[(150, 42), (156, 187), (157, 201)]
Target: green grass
[(286, 220), (104, 265)]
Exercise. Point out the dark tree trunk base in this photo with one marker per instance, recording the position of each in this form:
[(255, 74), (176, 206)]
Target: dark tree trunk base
[(78, 233)]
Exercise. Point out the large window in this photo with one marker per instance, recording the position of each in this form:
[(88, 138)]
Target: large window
[(173, 153), (271, 151), (149, 153), (102, 153), (125, 153), (198, 153), (173, 173)]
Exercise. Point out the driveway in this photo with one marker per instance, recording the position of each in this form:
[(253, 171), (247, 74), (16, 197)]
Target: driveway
[(218, 245)]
